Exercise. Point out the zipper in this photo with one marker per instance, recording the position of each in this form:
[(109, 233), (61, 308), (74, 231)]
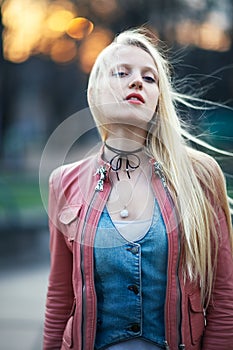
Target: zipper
[(178, 287), (99, 188), (82, 272), (160, 172), (179, 296), (179, 303), (167, 347)]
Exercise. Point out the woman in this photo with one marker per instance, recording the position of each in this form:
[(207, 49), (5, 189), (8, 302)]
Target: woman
[(141, 240)]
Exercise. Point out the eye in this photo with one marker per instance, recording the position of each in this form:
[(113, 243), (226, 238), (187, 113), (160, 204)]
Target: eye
[(149, 79), (119, 74)]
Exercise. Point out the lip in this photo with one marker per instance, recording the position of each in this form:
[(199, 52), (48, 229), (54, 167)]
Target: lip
[(138, 98)]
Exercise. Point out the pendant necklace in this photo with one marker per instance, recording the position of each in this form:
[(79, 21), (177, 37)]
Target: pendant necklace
[(122, 193), (132, 162)]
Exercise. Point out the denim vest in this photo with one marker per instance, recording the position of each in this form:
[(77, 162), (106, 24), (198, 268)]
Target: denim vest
[(130, 282)]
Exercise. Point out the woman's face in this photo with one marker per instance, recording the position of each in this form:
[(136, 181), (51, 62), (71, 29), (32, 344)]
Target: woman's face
[(128, 90)]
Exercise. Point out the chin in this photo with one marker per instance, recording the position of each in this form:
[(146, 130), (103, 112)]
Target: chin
[(116, 113)]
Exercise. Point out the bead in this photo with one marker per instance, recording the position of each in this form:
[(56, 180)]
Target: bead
[(124, 213)]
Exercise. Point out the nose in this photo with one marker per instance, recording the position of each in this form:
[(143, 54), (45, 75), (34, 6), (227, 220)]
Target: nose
[(136, 83)]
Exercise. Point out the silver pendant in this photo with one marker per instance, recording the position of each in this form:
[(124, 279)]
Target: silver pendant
[(124, 213)]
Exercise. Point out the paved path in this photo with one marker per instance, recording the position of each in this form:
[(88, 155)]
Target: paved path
[(22, 305)]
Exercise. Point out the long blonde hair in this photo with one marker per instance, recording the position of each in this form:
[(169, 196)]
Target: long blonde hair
[(196, 181)]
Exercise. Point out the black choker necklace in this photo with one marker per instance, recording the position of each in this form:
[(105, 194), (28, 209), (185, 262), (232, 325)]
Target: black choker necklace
[(116, 161)]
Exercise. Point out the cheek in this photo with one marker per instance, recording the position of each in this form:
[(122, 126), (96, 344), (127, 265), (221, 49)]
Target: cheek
[(117, 86), (154, 99), (108, 94)]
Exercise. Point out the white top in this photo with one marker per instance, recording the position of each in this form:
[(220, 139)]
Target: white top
[(133, 230)]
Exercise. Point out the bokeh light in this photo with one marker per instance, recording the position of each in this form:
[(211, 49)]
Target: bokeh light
[(22, 21), (92, 46), (79, 28), (63, 50), (45, 27), (207, 36), (37, 27), (59, 20), (214, 38), (105, 8)]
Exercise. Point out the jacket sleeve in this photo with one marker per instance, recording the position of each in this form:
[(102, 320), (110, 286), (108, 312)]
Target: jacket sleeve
[(219, 314), (60, 291)]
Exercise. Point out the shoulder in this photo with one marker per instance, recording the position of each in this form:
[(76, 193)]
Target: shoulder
[(205, 166), (210, 175), (68, 172)]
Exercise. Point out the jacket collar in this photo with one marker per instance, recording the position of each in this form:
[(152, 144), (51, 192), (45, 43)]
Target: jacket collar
[(104, 167)]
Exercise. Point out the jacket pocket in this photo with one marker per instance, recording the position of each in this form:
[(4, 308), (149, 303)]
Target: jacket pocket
[(196, 318), (68, 332), (69, 217)]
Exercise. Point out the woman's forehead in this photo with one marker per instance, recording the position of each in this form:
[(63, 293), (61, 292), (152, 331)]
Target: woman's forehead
[(129, 55)]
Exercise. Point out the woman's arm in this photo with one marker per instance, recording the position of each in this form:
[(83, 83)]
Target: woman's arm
[(60, 291), (219, 314)]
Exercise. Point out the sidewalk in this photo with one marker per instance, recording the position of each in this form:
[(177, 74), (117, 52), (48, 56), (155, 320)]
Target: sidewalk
[(22, 305)]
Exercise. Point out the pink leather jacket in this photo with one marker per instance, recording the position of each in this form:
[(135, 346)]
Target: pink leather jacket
[(75, 206)]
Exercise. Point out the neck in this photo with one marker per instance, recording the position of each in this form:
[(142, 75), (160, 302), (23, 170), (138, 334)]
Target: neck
[(123, 150), (124, 140), (124, 155)]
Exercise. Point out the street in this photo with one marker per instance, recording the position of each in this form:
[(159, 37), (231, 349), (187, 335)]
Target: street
[(22, 305)]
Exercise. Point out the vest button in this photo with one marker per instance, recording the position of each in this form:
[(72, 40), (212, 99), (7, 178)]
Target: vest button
[(134, 250), (133, 288), (135, 328)]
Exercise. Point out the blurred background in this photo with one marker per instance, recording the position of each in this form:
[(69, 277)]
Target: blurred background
[(43, 80)]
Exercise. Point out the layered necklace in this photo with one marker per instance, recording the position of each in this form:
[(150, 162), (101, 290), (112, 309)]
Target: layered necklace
[(132, 162)]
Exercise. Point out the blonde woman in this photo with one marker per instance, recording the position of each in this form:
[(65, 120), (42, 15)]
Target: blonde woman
[(141, 239)]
